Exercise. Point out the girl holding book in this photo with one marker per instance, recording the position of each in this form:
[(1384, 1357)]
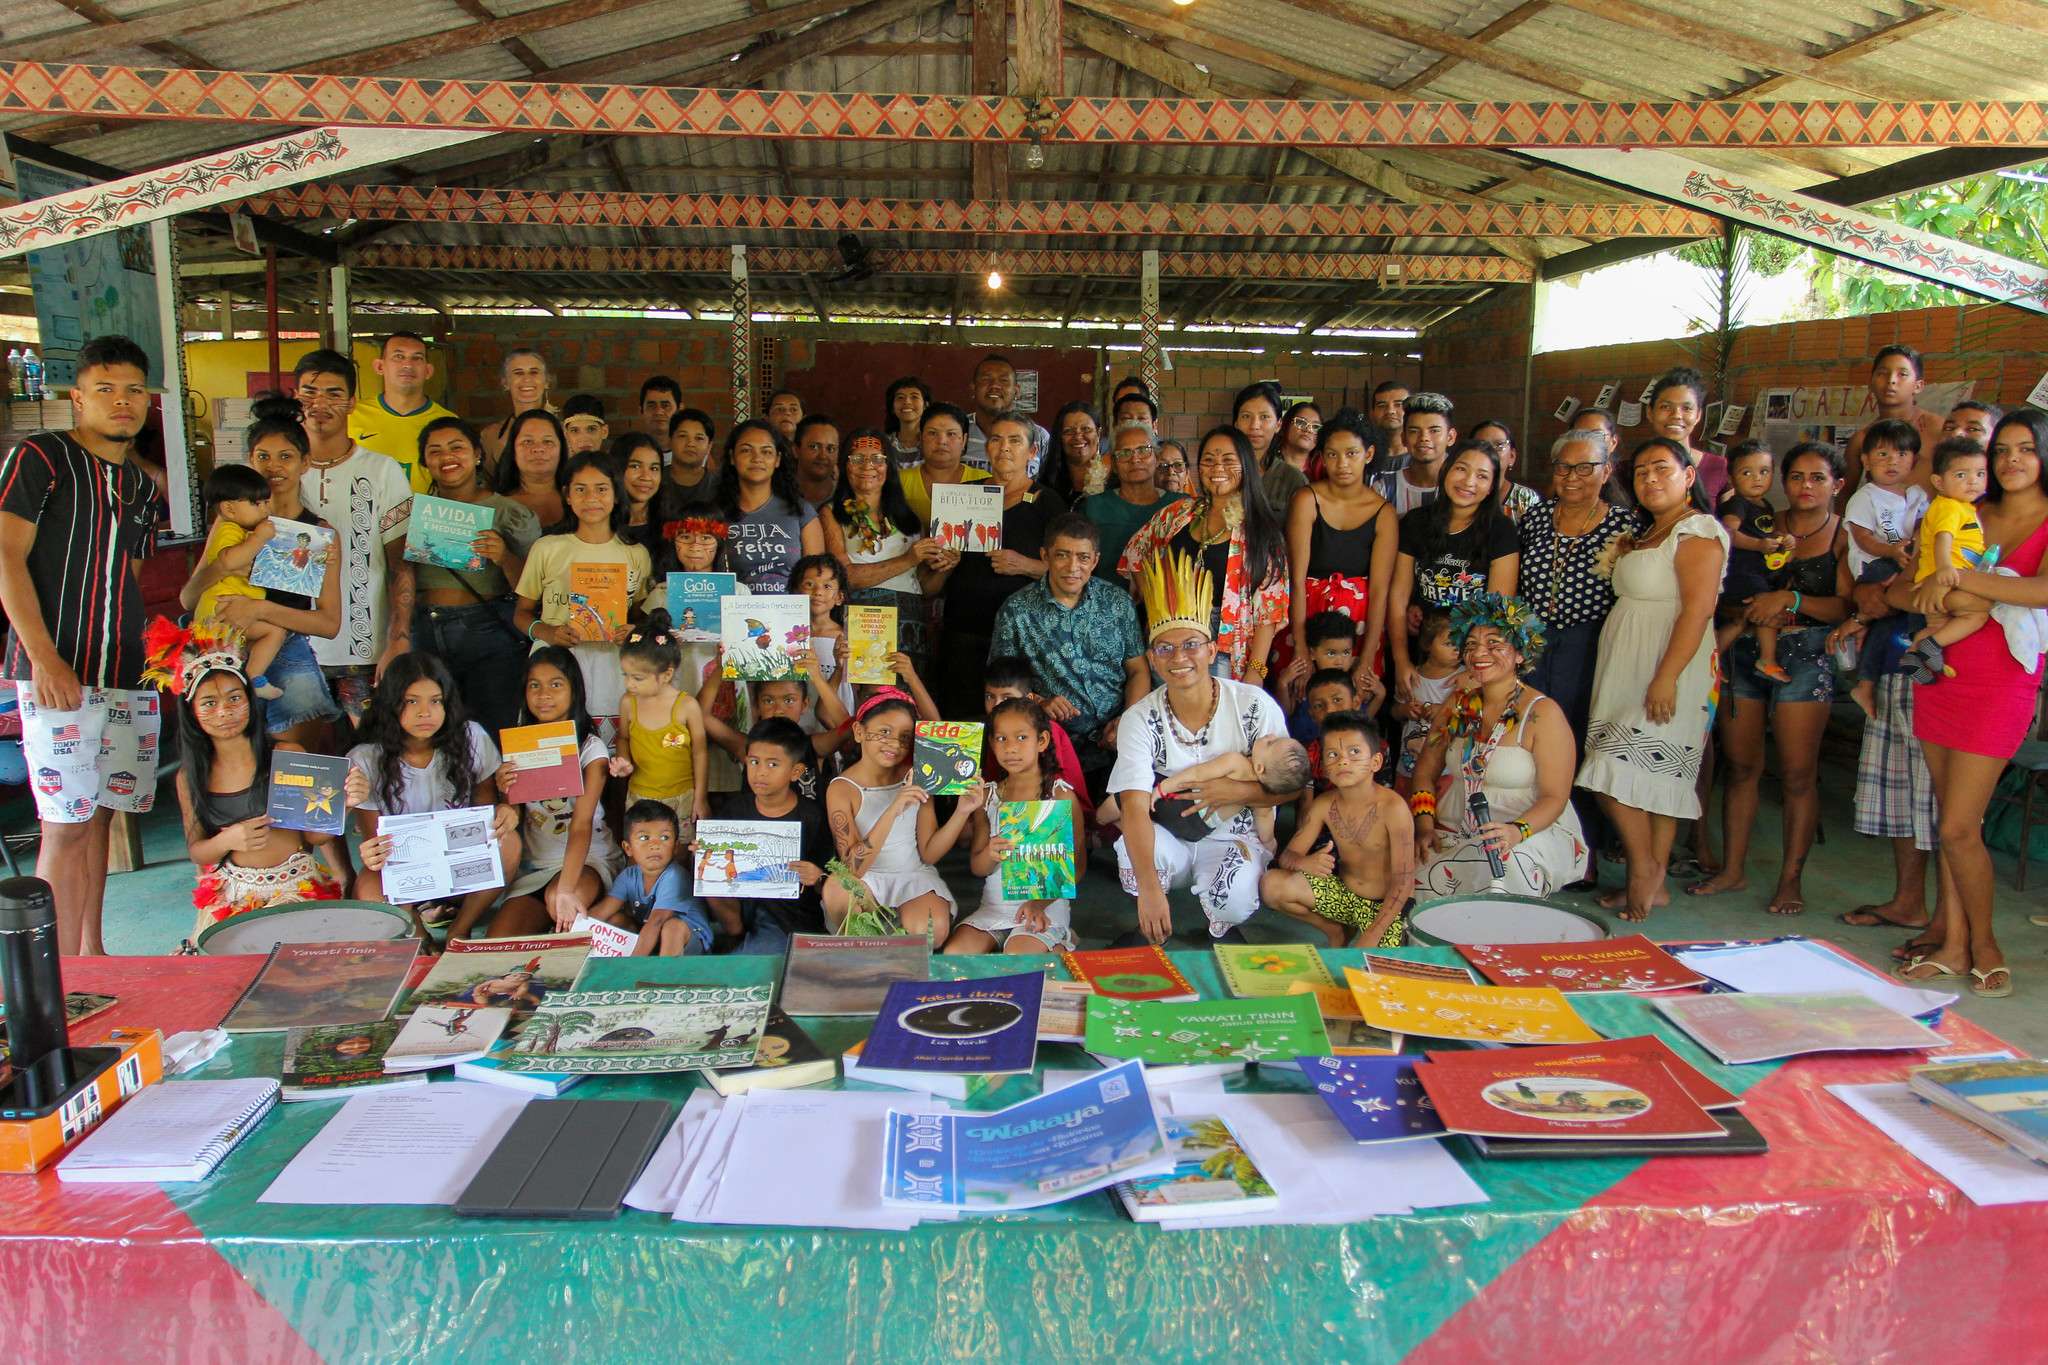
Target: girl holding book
[(696, 543), (421, 752), (580, 583), (883, 825), (1020, 737), (464, 615), (772, 527), (570, 857), (822, 579), (665, 758), (531, 476), (224, 785)]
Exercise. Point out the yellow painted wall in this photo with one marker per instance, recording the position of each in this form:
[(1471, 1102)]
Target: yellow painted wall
[(220, 369)]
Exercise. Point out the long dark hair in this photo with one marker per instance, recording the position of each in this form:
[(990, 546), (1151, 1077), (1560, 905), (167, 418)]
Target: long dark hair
[(668, 494), (2036, 422), (895, 508), (666, 561), (382, 728), (1048, 761), (508, 461), (1271, 393), (195, 747), (604, 463), (1265, 546), (1349, 422), (564, 659), (909, 381), (1697, 497), (781, 484), (1434, 517)]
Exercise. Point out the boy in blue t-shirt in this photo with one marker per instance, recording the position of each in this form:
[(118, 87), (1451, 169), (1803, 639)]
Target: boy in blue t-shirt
[(653, 893)]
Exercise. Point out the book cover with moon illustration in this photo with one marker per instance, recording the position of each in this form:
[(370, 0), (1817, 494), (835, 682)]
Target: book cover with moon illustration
[(983, 1027)]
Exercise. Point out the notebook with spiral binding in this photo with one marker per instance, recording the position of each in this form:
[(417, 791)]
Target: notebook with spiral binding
[(177, 1131)]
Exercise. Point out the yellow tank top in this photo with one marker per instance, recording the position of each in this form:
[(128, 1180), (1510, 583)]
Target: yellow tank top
[(663, 765)]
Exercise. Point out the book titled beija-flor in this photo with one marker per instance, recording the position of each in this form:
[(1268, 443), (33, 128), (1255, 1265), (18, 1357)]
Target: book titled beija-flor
[(763, 634), (1082, 1137), (443, 531)]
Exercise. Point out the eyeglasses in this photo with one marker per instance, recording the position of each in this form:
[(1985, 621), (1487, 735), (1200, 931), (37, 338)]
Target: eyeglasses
[(1173, 467), (1122, 452), (1303, 424), (1577, 471), (1187, 650), (867, 459)]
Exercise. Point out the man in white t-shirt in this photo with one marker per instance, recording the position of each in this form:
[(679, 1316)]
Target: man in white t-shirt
[(367, 499), (1195, 717)]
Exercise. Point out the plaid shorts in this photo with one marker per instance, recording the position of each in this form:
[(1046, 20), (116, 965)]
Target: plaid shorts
[(1894, 790)]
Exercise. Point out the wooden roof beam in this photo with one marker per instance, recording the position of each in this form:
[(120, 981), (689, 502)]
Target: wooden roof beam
[(1876, 40), (171, 21), (1443, 66)]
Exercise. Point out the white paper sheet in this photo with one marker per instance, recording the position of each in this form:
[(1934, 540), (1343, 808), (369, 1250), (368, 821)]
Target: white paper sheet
[(802, 1158), (659, 1184), (1793, 969), (1056, 1078), (704, 1158), (1986, 1170), (419, 1145), (440, 854)]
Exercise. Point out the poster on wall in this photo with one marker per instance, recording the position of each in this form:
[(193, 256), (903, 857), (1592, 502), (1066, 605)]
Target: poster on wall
[(89, 287), (1782, 418)]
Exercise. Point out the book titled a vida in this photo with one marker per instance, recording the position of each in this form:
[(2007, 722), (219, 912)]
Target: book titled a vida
[(443, 531)]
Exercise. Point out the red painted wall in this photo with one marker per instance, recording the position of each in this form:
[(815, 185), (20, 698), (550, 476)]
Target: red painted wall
[(846, 379)]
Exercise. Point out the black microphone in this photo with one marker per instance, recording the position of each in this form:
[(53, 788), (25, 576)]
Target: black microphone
[(1482, 815)]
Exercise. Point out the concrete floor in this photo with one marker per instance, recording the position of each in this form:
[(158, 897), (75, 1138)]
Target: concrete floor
[(150, 910)]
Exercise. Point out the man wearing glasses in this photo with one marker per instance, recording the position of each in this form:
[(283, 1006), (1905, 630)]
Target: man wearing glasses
[(1205, 839), (1119, 512)]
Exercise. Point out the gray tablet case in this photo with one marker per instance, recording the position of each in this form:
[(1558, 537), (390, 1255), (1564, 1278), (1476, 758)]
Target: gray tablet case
[(567, 1159), (1743, 1139)]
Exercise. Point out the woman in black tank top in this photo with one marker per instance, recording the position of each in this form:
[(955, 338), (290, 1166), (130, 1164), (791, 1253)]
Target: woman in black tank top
[(1342, 538)]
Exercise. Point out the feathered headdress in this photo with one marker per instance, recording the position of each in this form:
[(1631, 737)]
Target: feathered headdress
[(1511, 616), (178, 657), (1179, 594), (695, 526)]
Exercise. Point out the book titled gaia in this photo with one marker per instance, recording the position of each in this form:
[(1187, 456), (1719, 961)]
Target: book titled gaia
[(442, 531), (1040, 863)]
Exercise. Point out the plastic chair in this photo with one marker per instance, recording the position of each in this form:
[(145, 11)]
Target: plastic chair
[(2032, 759)]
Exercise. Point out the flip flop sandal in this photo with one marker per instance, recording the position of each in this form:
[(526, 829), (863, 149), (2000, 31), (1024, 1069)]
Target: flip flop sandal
[(1979, 979), (1901, 971), (1913, 947), (1877, 921)]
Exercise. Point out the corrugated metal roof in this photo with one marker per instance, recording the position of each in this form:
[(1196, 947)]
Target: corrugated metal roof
[(1563, 47)]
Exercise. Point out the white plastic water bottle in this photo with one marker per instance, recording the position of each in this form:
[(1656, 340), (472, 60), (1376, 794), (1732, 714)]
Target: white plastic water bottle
[(32, 373), (15, 386)]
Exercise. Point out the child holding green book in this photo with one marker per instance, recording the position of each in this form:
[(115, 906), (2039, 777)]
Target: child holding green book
[(1020, 737)]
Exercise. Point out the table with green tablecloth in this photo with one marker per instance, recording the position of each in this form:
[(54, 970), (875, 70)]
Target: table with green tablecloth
[(1836, 1246)]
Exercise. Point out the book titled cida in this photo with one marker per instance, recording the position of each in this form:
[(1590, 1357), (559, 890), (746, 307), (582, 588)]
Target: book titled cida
[(1632, 963), (306, 792), (544, 761), (1506, 1095), (443, 531), (986, 1026), (946, 758), (1145, 973)]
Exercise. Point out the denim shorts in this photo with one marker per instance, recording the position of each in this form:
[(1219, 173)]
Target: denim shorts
[(1802, 653), (297, 674)]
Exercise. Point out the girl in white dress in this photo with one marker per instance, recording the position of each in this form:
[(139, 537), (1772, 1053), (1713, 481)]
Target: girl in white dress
[(1658, 678), (883, 825), (1513, 744), (1020, 738)]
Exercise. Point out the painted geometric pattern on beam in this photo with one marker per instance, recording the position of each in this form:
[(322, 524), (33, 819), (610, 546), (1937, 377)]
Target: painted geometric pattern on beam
[(593, 208), (534, 107), (1263, 265)]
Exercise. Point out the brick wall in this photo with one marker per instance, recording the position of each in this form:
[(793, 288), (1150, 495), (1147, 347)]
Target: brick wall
[(603, 356), (1196, 394), (1479, 357)]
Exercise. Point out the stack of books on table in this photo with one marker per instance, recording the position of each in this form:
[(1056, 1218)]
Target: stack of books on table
[(951, 1038), (2006, 1099)]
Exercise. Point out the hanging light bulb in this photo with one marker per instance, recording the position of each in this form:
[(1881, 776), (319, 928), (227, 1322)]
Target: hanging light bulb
[(995, 279), (1034, 155)]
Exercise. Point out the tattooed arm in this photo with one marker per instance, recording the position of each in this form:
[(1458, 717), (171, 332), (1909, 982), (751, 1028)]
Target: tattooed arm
[(400, 590)]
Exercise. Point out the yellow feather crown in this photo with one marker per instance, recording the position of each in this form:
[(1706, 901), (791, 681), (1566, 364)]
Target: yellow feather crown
[(1179, 594)]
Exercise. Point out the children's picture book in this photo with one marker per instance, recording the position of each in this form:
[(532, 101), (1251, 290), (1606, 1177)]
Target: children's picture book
[(749, 858), (968, 516), (1647, 1047), (1063, 1012), (597, 599), (1740, 1029), (1143, 973), (309, 985), (986, 1026), (1285, 1026), (870, 640), (442, 854), (442, 1035), (763, 635), (1377, 1099), (2008, 1098), (544, 761), (1488, 1014), (695, 604), (306, 792), (785, 1058), (1381, 965), (946, 758), (1349, 1034), (1213, 1175), (443, 531), (338, 1060), (606, 939), (680, 1028), (1066, 1142), (510, 973), (1507, 1095), (1258, 969), (1631, 963), (833, 974), (294, 559), (1040, 863)]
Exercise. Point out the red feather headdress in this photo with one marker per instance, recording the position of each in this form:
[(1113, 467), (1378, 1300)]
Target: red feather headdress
[(178, 657)]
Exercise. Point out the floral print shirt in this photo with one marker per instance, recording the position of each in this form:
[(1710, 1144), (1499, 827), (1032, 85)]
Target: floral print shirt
[(1245, 608)]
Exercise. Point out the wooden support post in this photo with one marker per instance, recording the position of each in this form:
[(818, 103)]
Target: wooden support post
[(1039, 42), (341, 327), (1148, 323), (989, 50), (270, 309), (742, 338)]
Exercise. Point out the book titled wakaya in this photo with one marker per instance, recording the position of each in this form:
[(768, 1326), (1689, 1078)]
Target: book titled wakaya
[(946, 758), (696, 603), (833, 974), (1285, 1026), (968, 516), (306, 792), (986, 1026), (1632, 963), (1644, 1048), (294, 559), (1377, 1099), (762, 636), (1145, 973), (544, 761), (1507, 1095), (597, 599), (310, 985), (870, 640), (1040, 863), (1260, 969), (1484, 1014), (443, 531)]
